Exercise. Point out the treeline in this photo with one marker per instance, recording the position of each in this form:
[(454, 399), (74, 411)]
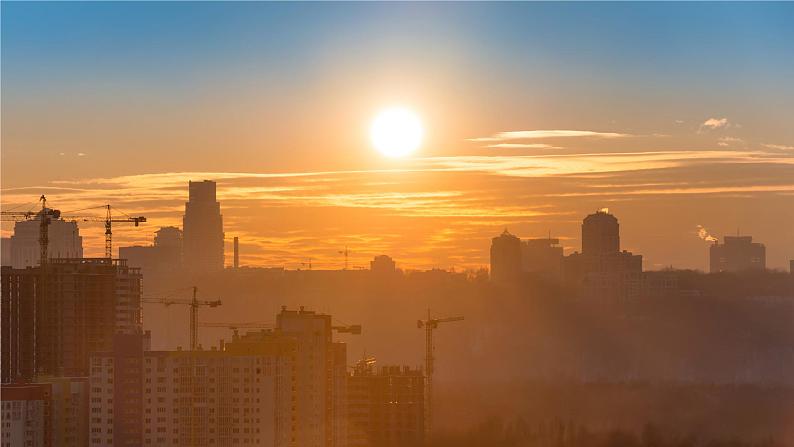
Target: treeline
[(497, 432)]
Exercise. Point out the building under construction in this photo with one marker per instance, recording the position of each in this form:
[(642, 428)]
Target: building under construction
[(54, 316)]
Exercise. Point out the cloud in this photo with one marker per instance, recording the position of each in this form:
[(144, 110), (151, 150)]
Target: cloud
[(679, 121), (779, 147), (522, 146), (81, 154), (714, 124), (543, 134), (727, 141)]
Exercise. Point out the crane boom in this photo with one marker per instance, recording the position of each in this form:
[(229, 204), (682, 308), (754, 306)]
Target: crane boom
[(194, 304)]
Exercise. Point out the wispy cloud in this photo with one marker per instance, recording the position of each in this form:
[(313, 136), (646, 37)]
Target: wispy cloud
[(714, 124), (779, 147), (546, 134), (522, 146), (728, 141)]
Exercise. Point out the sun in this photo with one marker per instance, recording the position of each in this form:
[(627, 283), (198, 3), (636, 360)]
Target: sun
[(396, 132)]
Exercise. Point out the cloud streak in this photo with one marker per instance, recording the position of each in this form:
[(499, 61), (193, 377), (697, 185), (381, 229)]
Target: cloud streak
[(547, 134)]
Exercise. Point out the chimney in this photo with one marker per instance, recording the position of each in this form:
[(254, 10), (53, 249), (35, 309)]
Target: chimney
[(236, 252)]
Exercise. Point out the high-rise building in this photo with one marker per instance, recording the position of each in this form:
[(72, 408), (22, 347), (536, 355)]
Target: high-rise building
[(603, 271), (203, 229), (386, 406), (737, 253), (64, 241), (240, 395), (164, 257), (314, 366), (5, 249), (505, 258), (53, 321), (26, 415), (542, 256), (600, 234)]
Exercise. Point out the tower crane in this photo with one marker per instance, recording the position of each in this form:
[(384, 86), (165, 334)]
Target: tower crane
[(194, 304), (109, 220), (352, 329), (45, 216), (234, 327), (430, 325), (346, 252)]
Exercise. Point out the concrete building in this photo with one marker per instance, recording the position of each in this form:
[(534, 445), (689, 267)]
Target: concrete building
[(602, 270), (52, 322), (383, 265), (162, 258), (542, 256), (505, 258), (5, 251), (64, 241), (737, 253), (203, 229), (241, 395), (314, 366), (386, 406), (26, 415)]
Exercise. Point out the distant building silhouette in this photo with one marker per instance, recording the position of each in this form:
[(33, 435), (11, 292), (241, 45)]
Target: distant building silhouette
[(165, 256), (203, 229), (542, 256), (386, 406), (236, 252), (601, 269), (505, 258), (5, 249), (64, 241), (383, 264), (737, 253), (51, 323)]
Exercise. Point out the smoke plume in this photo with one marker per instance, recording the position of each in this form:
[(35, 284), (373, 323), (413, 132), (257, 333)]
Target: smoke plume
[(704, 234)]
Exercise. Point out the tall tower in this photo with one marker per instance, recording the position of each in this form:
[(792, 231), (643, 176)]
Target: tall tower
[(505, 258), (600, 234), (202, 229)]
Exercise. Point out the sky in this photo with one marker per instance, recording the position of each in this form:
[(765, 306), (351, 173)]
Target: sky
[(672, 115)]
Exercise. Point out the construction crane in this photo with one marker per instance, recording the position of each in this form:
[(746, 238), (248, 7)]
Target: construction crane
[(109, 220), (352, 329), (430, 325), (45, 216), (194, 306), (234, 327), (346, 252)]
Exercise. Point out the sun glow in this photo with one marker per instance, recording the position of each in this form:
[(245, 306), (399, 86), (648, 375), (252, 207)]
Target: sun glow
[(396, 132)]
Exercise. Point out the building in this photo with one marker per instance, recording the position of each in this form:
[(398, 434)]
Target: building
[(386, 406), (542, 256), (314, 366), (505, 258), (240, 395), (383, 265), (164, 257), (5, 249), (26, 415), (602, 271), (203, 229), (600, 234), (64, 241), (69, 410), (737, 253), (52, 322)]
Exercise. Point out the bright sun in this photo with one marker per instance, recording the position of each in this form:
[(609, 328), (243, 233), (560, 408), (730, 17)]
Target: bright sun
[(396, 132)]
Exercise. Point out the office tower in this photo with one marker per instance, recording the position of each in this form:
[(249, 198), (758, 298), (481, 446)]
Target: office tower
[(382, 265), (241, 395), (505, 258), (26, 415), (386, 406), (737, 253), (74, 309), (600, 234), (164, 257), (203, 229), (314, 374), (542, 256), (602, 271), (64, 241)]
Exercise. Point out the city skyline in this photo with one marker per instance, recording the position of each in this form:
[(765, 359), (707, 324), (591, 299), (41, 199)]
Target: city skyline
[(529, 116)]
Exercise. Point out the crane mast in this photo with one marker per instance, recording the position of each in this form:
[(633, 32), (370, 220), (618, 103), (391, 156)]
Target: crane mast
[(430, 325), (194, 305)]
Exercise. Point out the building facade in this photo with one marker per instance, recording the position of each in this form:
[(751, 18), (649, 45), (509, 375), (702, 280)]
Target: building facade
[(203, 229), (386, 406), (542, 256), (64, 241), (162, 258), (53, 321), (505, 258), (736, 254)]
